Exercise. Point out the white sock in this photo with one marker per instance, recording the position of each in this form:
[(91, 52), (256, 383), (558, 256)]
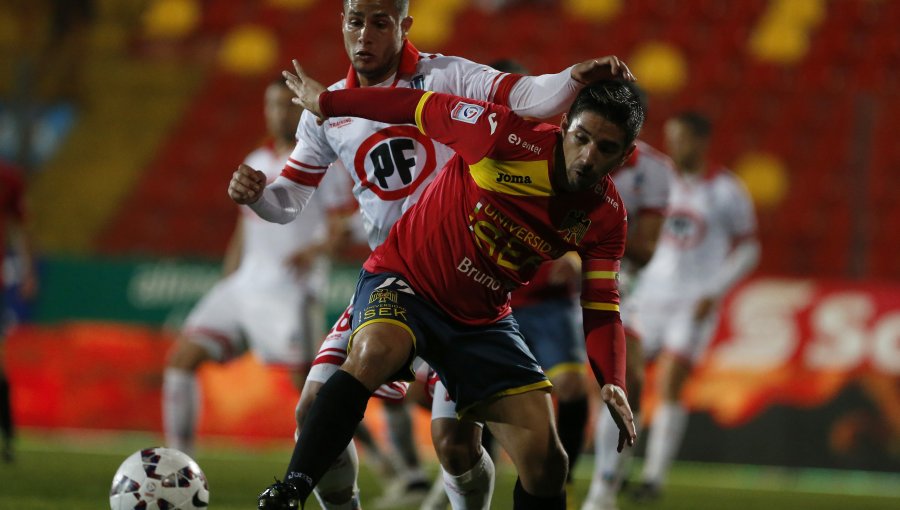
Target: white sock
[(180, 408), (340, 477), (609, 465), (473, 489), (666, 433)]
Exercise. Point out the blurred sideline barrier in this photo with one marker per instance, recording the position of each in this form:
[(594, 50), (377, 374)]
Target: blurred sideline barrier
[(801, 372)]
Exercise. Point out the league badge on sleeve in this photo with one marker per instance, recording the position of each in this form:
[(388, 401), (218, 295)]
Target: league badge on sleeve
[(465, 112)]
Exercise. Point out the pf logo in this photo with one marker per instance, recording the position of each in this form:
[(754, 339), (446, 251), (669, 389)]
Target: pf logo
[(394, 161)]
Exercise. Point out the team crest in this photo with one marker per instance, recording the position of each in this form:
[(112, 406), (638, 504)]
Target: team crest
[(574, 226), (381, 296)]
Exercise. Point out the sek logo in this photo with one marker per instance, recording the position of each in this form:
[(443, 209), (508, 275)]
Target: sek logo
[(514, 179), (465, 112)]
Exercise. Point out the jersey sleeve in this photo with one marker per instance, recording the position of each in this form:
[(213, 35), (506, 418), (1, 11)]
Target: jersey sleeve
[(656, 189), (311, 155), (603, 331), (738, 208), (461, 77), (471, 128)]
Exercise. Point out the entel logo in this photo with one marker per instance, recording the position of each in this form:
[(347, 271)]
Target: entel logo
[(517, 140), (513, 139)]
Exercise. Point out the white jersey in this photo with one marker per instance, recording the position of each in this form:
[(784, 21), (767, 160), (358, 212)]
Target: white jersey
[(707, 216), (391, 165), (267, 246)]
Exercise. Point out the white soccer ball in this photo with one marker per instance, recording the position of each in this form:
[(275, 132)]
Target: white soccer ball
[(159, 479)]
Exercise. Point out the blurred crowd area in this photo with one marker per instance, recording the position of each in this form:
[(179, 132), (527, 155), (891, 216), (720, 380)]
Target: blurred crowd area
[(120, 107)]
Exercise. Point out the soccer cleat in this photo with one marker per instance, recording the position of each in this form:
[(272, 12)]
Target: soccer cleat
[(280, 496)]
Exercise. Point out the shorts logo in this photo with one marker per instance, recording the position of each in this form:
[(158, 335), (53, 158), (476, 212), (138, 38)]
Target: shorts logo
[(465, 112), (382, 296)]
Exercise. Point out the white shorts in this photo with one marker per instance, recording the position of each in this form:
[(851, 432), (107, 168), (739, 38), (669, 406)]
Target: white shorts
[(281, 324), (333, 353), (667, 323)]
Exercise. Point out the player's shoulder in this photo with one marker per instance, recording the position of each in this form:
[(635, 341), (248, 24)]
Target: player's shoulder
[(437, 65), (652, 157)]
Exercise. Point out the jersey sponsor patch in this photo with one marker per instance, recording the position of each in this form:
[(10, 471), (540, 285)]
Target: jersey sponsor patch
[(466, 112)]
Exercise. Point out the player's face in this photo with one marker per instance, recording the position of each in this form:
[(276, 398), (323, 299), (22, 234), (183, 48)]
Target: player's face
[(592, 147), (373, 36), (282, 115), (681, 144)]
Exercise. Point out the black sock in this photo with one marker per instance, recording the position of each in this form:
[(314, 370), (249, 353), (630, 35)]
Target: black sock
[(572, 420), (6, 425), (328, 427), (525, 501)]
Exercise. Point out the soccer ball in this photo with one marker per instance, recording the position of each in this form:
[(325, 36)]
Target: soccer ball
[(159, 479)]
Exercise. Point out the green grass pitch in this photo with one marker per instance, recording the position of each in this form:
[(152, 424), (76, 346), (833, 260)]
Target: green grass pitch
[(75, 474)]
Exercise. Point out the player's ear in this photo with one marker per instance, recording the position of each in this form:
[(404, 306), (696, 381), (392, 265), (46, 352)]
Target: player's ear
[(405, 25), (564, 123)]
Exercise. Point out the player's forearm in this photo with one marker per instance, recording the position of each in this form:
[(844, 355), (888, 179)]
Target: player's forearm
[(740, 262), (544, 96), (282, 201), (388, 105), (605, 343)]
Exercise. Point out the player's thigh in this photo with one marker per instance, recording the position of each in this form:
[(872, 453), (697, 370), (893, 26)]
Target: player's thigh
[(524, 425), (282, 323)]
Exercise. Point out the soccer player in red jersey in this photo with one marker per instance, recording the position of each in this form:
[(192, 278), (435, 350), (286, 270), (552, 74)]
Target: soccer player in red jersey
[(517, 193), (12, 228)]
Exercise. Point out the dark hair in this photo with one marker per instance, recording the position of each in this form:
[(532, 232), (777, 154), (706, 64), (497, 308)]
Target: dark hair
[(401, 5), (698, 123), (616, 101), (508, 65)]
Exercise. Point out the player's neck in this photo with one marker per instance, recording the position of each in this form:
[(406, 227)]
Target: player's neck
[(371, 81)]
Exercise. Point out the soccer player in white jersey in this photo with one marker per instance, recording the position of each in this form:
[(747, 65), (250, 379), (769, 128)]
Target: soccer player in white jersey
[(644, 183), (391, 166), (708, 245), (270, 300)]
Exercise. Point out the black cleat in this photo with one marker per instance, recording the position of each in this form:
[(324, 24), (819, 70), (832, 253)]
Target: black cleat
[(279, 496)]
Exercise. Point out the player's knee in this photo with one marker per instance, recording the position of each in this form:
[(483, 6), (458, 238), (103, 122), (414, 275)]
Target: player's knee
[(457, 449), (186, 355), (544, 473)]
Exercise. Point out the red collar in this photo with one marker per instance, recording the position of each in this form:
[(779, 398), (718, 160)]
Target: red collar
[(409, 59)]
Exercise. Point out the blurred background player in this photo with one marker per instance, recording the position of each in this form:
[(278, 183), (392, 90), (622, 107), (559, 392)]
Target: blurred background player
[(708, 245), (270, 300), (391, 167), (13, 232), (644, 182)]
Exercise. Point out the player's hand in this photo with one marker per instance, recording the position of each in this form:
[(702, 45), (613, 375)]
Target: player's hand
[(617, 403), (246, 185), (603, 68), (305, 88)]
